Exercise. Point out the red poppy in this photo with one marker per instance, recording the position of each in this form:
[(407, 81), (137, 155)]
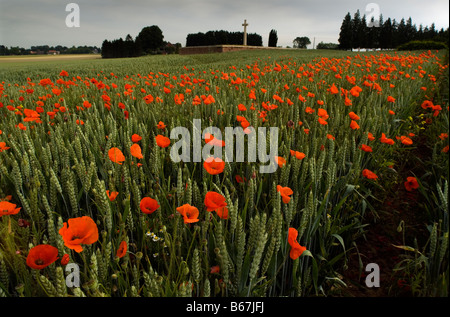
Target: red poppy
[(162, 141), (213, 165), (112, 196), (148, 99), (148, 205), (3, 146), (353, 116), (81, 230), (122, 250), (214, 200), (405, 140), (354, 125), (135, 138), (411, 183), (323, 114), (7, 208), (189, 213), (222, 212), (42, 256), (210, 139), (298, 155), (281, 161), (285, 192), (116, 155), (366, 148), (390, 99), (239, 179), (161, 125), (215, 269), (136, 151), (65, 259), (386, 140), (369, 174), (322, 121), (296, 248)]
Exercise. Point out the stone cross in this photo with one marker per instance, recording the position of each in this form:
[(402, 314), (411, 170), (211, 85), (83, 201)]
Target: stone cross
[(245, 31)]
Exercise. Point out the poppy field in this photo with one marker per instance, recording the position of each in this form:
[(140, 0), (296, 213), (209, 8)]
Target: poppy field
[(92, 203)]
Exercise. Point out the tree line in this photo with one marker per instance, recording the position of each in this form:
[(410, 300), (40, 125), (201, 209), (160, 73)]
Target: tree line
[(222, 38), (46, 49), (150, 40), (357, 32)]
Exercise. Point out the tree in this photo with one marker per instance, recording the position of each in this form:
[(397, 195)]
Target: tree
[(386, 34), (273, 38), (301, 42), (150, 39), (346, 35)]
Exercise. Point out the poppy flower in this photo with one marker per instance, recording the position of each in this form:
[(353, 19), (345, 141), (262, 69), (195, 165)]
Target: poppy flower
[(161, 125), (122, 250), (322, 113), (386, 140), (370, 136), (148, 99), (81, 230), (116, 155), (42, 256), (213, 165), (411, 183), (354, 125), (65, 259), (353, 116), (298, 155), (239, 179), (296, 248), (309, 110), (390, 99), (7, 208), (214, 269), (241, 107), (210, 139), (281, 161), (136, 151), (189, 213), (333, 89), (148, 205), (162, 141), (135, 138), (112, 195), (3, 147), (369, 174), (222, 212), (322, 121), (214, 201), (366, 148), (405, 140), (285, 192)]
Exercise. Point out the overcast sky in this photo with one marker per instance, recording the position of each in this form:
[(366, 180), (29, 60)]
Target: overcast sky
[(26, 23)]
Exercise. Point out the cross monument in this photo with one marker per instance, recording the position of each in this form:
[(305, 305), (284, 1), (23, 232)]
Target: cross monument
[(245, 31)]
